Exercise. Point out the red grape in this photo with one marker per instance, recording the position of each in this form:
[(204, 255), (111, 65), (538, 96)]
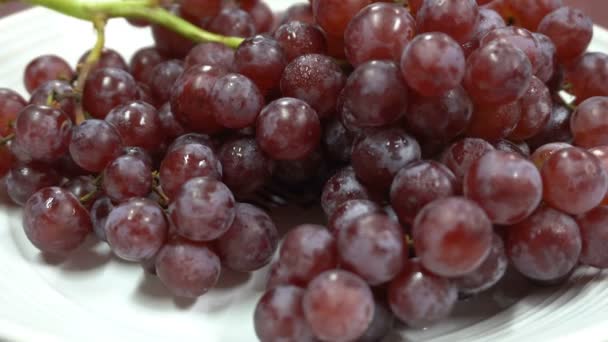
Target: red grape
[(547, 60), (288, 129), (433, 63), (298, 12), (589, 124), (279, 316), (589, 76), (185, 162), (162, 78), (520, 38), (378, 157), (138, 124), (11, 104), (250, 241), (497, 73), (232, 22), (62, 94), (529, 13), (263, 17), (143, 62), (203, 210), (315, 79), (488, 273), (22, 181), (570, 30), (262, 60), (456, 18), (136, 229), (235, 101), (419, 184), (452, 236), (214, 54), (190, 98), (379, 31), (376, 94), (127, 176), (349, 212), (439, 118), (341, 187), (307, 250), (334, 15), (188, 269), (107, 88), (338, 305), (544, 152), (536, 106), (373, 247), (494, 122), (169, 124), (55, 221), (94, 144), (109, 59), (200, 9), (43, 132), (337, 141), (245, 167), (420, 298), (46, 68), (298, 39), (545, 246), (505, 185), (557, 128), (574, 181), (594, 235)]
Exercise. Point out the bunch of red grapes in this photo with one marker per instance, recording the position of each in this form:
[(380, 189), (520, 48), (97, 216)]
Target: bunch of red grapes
[(411, 124)]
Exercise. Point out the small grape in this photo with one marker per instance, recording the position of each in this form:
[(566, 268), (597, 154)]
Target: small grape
[(261, 59), (545, 246), (235, 101), (341, 187), (594, 235), (574, 181), (452, 236), (338, 305), (433, 63), (488, 273), (420, 298), (11, 104), (589, 124), (232, 22), (376, 94), (372, 247), (250, 241), (22, 181), (94, 144), (127, 176), (288, 129), (544, 152), (315, 79), (143, 62), (109, 59), (162, 78), (279, 316), (203, 210), (307, 251), (588, 76), (557, 128), (459, 156), (107, 88), (570, 30), (536, 106), (188, 269), (505, 185), (379, 31), (334, 15), (456, 18), (62, 94), (46, 68), (298, 38), (214, 54), (43, 132), (55, 221), (349, 212), (378, 157), (99, 215), (136, 229), (245, 167), (419, 184)]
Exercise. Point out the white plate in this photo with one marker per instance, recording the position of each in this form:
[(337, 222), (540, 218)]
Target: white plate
[(93, 296)]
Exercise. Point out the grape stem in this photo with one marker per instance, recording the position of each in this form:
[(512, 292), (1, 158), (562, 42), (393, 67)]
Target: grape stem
[(99, 22), (149, 10), (6, 139)]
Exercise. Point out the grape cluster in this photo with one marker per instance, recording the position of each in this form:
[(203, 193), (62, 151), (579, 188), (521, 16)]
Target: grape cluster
[(434, 136)]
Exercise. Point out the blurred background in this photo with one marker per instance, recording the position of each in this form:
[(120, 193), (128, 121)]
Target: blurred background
[(597, 9)]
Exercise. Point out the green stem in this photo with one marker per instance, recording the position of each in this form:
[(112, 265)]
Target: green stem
[(139, 9), (6, 139)]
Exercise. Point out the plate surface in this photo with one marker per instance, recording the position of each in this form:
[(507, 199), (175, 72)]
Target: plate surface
[(93, 296)]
